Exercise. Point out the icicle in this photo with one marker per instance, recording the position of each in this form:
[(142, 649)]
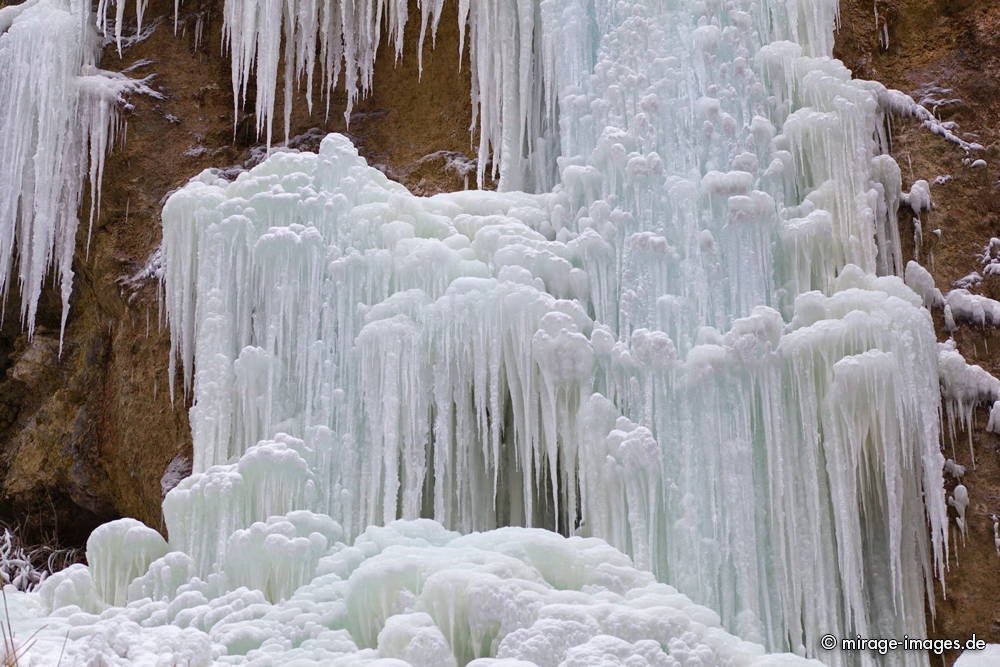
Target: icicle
[(960, 501), (59, 121), (963, 388), (996, 532)]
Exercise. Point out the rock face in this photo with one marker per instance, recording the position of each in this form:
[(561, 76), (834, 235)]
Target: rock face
[(946, 53), (92, 434)]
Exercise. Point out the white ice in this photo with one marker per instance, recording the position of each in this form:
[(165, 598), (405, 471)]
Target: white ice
[(411, 592), (58, 119), (988, 656)]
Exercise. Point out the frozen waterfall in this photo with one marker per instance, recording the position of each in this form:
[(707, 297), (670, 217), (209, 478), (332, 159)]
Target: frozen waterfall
[(690, 342)]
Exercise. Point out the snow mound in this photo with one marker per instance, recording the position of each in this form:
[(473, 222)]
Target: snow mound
[(411, 593)]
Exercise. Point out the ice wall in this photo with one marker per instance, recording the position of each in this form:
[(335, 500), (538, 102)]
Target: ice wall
[(683, 348), (57, 121)]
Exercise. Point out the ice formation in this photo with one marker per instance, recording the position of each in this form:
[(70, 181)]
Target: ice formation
[(23, 566), (989, 656), (954, 469), (690, 344), (57, 122), (918, 198), (410, 593), (921, 281), (960, 501), (996, 532), (973, 308), (489, 359), (965, 387), (512, 93), (960, 304)]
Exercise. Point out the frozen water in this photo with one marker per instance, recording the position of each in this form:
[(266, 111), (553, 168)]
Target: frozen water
[(546, 360), (512, 94), (989, 656), (57, 121), (411, 591), (691, 344), (963, 388)]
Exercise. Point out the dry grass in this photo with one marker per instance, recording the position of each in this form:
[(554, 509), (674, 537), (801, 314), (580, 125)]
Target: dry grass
[(12, 652), (25, 567)]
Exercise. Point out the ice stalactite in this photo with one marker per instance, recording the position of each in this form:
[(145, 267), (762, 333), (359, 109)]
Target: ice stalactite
[(964, 388), (58, 120), (960, 500), (512, 96)]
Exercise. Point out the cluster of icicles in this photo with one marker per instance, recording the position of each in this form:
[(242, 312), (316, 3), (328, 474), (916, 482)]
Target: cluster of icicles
[(58, 118), (691, 345)]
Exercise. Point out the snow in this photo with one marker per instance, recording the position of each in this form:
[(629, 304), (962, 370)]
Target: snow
[(410, 591), (988, 656)]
